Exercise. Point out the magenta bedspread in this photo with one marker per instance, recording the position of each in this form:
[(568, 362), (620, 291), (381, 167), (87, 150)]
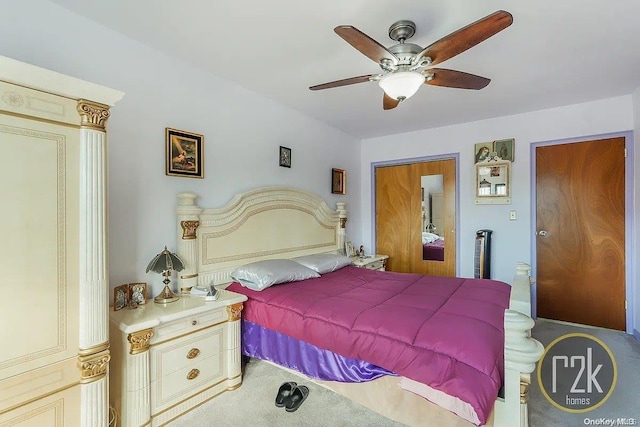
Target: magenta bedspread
[(445, 332)]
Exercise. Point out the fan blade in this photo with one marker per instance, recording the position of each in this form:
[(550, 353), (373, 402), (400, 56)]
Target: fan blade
[(457, 79), (365, 44), (388, 103), (467, 37), (343, 82)]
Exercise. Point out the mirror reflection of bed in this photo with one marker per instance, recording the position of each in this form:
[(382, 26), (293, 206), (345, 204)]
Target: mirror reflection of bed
[(432, 218), (333, 315)]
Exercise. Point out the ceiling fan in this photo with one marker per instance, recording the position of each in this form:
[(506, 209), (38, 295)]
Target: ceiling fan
[(406, 66)]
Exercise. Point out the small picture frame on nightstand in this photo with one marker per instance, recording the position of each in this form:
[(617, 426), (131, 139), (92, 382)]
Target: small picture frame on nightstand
[(349, 250), (138, 293), (120, 297)]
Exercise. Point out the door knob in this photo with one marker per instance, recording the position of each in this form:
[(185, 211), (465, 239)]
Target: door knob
[(542, 233)]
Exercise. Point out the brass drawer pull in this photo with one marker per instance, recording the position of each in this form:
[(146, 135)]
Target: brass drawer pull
[(193, 373), (194, 322), (193, 353)]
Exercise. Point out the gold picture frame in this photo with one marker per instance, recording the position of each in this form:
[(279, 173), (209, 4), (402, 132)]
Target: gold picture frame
[(338, 181), (120, 297), (184, 152), (138, 293)]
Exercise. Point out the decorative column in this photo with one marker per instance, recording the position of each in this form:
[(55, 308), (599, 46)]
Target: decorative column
[(93, 356), (342, 225), (187, 225), (234, 354), (136, 405)]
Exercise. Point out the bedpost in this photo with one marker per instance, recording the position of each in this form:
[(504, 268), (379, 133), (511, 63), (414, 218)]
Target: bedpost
[(187, 215), (342, 224), (521, 352)]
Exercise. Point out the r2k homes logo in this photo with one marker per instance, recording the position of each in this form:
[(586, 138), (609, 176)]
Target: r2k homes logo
[(577, 373)]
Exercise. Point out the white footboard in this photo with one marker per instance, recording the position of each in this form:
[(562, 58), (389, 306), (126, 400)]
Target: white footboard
[(521, 352)]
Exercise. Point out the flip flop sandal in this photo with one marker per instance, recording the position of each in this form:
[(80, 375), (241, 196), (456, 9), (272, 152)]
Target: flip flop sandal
[(284, 392), (298, 395)]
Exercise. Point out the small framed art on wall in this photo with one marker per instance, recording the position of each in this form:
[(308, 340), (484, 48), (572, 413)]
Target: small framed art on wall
[(285, 157), (338, 184), (184, 153)]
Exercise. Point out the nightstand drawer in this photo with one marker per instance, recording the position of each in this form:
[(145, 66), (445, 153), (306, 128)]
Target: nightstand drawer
[(371, 262), (188, 324), (375, 265), (179, 385), (180, 353)]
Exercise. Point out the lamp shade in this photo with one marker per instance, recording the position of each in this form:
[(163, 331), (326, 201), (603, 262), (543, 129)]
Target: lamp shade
[(401, 85), (164, 261)]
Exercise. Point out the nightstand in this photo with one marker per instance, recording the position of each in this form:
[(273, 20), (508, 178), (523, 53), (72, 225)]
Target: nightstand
[(168, 358), (371, 262)]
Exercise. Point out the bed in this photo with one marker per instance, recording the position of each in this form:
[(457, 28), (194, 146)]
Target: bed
[(432, 247), (284, 222)]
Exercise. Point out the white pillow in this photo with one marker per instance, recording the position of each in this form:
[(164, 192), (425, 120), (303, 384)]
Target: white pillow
[(324, 263), (262, 274), (429, 237)]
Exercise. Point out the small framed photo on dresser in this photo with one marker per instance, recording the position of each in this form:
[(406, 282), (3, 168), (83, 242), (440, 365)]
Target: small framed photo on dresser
[(349, 250), (120, 297), (138, 293)]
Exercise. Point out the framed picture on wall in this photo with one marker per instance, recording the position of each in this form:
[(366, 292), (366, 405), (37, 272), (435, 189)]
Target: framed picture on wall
[(504, 149), (482, 151), (285, 157), (184, 153), (338, 184)]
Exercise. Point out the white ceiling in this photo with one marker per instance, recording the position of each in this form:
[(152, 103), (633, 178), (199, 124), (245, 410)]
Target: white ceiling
[(556, 52)]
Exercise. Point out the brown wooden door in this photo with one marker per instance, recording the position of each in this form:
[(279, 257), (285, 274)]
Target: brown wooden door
[(399, 216), (393, 215), (580, 190)]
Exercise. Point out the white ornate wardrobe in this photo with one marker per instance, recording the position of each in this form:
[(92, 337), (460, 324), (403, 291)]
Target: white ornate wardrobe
[(54, 343)]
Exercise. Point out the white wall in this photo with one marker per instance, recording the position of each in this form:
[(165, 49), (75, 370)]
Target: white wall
[(636, 221), (511, 240), (242, 130)]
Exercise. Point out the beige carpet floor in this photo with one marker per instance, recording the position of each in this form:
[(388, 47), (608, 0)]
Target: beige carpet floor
[(253, 405)]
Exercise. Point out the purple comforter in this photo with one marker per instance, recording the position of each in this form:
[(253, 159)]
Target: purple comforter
[(445, 332)]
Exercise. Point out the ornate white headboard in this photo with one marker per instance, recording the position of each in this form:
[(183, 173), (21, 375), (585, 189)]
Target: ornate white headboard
[(265, 223)]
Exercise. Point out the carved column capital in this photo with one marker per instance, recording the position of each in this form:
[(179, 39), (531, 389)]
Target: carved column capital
[(93, 115), (189, 229), (140, 341), (93, 367), (343, 222), (233, 311)]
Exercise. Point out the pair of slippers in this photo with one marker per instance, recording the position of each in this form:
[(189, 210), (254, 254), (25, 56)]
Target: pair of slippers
[(291, 395)]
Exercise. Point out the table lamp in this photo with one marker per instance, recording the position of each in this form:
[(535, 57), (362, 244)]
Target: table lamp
[(164, 263)]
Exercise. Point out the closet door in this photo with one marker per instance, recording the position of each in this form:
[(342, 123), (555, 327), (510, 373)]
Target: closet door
[(39, 261), (393, 215), (404, 206)]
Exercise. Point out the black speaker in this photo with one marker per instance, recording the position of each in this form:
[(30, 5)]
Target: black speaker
[(482, 258)]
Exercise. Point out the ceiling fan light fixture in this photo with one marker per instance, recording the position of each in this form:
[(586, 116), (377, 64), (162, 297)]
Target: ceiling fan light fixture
[(401, 85)]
